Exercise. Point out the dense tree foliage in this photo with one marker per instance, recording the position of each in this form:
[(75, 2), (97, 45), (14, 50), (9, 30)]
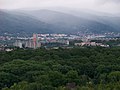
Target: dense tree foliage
[(88, 68)]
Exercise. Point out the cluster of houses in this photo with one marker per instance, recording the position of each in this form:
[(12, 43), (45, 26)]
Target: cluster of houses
[(88, 43), (4, 48)]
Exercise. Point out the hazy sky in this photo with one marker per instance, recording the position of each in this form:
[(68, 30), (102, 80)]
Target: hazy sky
[(110, 6)]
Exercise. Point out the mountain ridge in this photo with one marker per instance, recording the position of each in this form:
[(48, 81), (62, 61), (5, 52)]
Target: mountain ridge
[(67, 19), (48, 21), (13, 23)]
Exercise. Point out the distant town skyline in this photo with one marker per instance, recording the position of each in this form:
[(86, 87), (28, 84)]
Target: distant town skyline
[(108, 6)]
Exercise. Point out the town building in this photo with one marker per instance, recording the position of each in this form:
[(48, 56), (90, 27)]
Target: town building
[(29, 43)]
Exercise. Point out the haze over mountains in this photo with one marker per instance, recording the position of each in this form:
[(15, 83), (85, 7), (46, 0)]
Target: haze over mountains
[(16, 23), (52, 21)]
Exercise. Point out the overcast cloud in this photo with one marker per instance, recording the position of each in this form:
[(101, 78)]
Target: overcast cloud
[(114, 1), (110, 6)]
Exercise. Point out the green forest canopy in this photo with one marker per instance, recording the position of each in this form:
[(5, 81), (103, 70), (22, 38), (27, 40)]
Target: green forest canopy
[(89, 68)]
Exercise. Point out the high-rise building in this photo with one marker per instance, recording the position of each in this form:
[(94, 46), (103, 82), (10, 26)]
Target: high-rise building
[(18, 43), (30, 43), (36, 44)]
